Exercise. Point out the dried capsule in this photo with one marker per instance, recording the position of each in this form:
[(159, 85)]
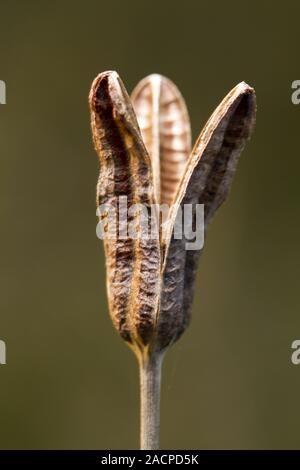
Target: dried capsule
[(144, 150), (145, 155), (133, 266)]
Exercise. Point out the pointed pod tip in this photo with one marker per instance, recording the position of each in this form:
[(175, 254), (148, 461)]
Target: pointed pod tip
[(243, 87), (155, 78), (150, 80), (243, 91), (247, 94), (107, 88)]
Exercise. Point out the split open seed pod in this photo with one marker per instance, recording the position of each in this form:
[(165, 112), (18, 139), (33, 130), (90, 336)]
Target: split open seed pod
[(144, 150)]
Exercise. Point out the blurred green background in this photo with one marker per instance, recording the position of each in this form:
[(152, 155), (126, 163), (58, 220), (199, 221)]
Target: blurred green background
[(70, 382)]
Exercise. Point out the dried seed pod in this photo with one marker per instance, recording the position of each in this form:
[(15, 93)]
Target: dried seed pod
[(133, 265), (151, 281), (207, 180)]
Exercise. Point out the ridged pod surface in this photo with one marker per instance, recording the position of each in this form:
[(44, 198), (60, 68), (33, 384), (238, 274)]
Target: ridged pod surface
[(206, 180), (143, 146), (133, 265)]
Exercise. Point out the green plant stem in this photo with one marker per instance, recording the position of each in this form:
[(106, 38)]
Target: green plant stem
[(150, 377)]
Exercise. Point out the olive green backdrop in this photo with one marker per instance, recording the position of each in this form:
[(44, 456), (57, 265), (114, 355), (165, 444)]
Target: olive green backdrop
[(70, 382)]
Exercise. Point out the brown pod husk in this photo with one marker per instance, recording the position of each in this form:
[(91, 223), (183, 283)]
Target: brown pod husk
[(143, 147)]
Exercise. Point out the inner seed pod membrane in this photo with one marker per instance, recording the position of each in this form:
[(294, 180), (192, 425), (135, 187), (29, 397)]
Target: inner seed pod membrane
[(164, 122)]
